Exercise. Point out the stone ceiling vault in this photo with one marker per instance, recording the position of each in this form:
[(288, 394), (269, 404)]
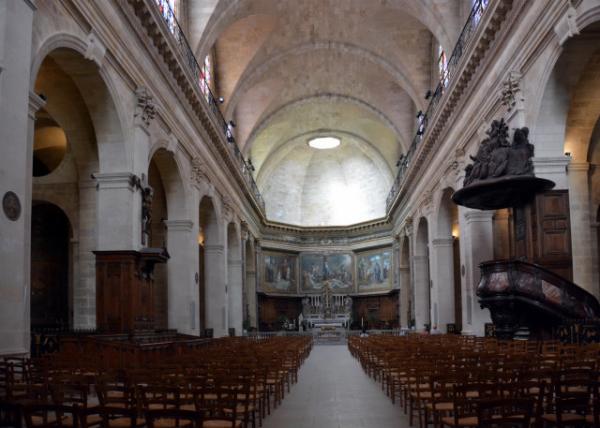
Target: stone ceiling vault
[(292, 69)]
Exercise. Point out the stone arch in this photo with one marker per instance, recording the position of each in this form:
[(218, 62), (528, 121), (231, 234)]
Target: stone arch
[(562, 68), (77, 98), (98, 93), (421, 276)]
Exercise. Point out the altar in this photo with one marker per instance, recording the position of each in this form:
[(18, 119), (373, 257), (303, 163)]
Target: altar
[(327, 315)]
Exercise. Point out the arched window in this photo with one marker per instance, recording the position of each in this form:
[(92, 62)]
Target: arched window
[(206, 77), (442, 66), (168, 9), (478, 8)]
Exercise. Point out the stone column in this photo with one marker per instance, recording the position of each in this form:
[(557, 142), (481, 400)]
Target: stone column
[(253, 299), (84, 289), (422, 292), (16, 135), (477, 245), (553, 168), (183, 294), (234, 291), (215, 293), (581, 231), (596, 254), (443, 283), (404, 295), (119, 212)]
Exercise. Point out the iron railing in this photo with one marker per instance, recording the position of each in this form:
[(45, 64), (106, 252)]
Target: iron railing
[(448, 76), (197, 73)]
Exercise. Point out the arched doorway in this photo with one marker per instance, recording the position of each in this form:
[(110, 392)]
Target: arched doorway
[(422, 283), (51, 268), (66, 140), (234, 279)]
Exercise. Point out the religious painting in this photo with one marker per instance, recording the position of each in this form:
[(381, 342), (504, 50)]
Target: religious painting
[(374, 270), (279, 273), (332, 269)]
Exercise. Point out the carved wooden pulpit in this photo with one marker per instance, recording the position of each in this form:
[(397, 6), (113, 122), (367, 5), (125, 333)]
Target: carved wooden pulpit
[(125, 289)]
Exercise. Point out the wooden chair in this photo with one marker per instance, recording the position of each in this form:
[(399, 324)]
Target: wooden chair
[(49, 415), (162, 418), (505, 412), (571, 403)]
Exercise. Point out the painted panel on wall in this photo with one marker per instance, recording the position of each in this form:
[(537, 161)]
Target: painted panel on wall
[(374, 270), (334, 269), (279, 273)]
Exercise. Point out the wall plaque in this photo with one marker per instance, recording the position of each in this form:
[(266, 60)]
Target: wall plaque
[(11, 206)]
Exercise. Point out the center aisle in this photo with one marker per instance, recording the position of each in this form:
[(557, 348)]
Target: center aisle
[(333, 391)]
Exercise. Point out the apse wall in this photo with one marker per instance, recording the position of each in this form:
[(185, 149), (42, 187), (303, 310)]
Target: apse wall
[(336, 187)]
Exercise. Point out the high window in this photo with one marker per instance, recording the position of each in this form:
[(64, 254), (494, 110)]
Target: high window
[(168, 10), (442, 66), (206, 77)]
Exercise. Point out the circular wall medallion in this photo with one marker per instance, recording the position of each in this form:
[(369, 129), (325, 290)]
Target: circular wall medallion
[(11, 206)]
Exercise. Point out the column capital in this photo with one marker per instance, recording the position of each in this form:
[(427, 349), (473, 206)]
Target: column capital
[(179, 225), (553, 163), (442, 242), (214, 249), (579, 167), (478, 216), (115, 180)]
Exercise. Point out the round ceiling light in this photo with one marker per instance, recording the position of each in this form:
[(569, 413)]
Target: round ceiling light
[(323, 143)]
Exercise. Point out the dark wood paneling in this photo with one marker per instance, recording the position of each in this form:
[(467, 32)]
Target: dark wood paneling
[(542, 235), (273, 310), (376, 311), (124, 291)]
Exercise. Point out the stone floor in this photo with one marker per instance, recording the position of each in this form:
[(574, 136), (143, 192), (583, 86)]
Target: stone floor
[(334, 391)]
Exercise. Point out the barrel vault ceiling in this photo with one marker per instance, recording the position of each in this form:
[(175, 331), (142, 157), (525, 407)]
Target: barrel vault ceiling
[(290, 70)]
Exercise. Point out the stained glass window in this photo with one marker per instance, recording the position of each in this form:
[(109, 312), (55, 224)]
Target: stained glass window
[(167, 9), (442, 66), (478, 8), (206, 77)]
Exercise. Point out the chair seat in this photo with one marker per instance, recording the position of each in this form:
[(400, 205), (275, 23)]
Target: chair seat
[(91, 420), (220, 424), (125, 422), (469, 421), (171, 423), (565, 417), (442, 407)]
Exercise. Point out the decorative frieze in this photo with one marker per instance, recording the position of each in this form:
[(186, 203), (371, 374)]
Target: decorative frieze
[(511, 89), (199, 174), (145, 110)]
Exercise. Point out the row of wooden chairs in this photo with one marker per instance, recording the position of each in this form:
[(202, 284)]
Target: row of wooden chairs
[(234, 381), (459, 381)]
